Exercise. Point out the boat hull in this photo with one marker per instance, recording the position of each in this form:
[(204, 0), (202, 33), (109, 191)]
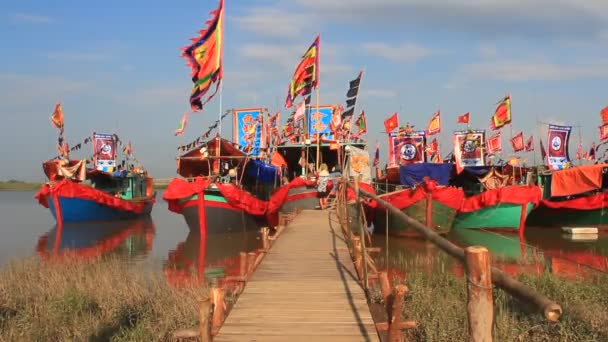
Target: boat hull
[(220, 216), (549, 217), (85, 210), (300, 198), (442, 218), (498, 216)]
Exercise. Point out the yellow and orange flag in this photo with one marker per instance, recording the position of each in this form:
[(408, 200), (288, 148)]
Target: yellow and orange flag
[(57, 117), (502, 114), (434, 126)]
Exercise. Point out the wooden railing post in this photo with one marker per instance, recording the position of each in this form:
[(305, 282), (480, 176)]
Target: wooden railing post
[(243, 264), (204, 321), (250, 263), (480, 308), (385, 285), (265, 241), (395, 325), (219, 306)]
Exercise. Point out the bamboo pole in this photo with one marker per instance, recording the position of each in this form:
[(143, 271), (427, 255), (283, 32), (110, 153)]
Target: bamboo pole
[(385, 285), (204, 323), (265, 241), (250, 263), (394, 331), (480, 309), (243, 264), (219, 307), (551, 310)]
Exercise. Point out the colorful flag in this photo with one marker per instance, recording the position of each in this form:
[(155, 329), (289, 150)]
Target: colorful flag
[(530, 144), (494, 144), (408, 148), (351, 96), (591, 155), (391, 123), (377, 155), (604, 132), (361, 124), (543, 152), (464, 118), (336, 120), (57, 117), (182, 124), (434, 126), (128, 150), (432, 151), (300, 111), (557, 140), (306, 75), (502, 114), (204, 56), (517, 142), (468, 148), (604, 115)]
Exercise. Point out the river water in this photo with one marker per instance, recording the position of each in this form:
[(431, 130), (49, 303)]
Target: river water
[(28, 229)]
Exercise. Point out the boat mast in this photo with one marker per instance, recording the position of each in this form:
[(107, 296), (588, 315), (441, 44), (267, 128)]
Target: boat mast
[(318, 114)]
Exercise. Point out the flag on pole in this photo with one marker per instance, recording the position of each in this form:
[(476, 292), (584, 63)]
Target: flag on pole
[(182, 124), (351, 96), (57, 117), (464, 118), (300, 111), (391, 123), (517, 142), (377, 155), (604, 115), (361, 124), (494, 144), (434, 126), (306, 75), (204, 57), (128, 150), (604, 132), (530, 144), (543, 152), (502, 114), (591, 154)]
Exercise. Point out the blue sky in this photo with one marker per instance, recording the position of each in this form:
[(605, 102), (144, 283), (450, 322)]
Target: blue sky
[(115, 66)]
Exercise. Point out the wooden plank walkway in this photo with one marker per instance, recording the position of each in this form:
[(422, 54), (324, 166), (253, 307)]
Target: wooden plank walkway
[(305, 289)]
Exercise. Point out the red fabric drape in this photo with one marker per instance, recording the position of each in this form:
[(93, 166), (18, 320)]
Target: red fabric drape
[(510, 194), (71, 189), (350, 193), (448, 196), (591, 202), (576, 180)]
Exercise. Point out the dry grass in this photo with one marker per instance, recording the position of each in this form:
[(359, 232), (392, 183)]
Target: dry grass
[(97, 300)]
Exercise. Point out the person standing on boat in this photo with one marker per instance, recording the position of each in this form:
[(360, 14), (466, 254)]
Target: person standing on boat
[(322, 185)]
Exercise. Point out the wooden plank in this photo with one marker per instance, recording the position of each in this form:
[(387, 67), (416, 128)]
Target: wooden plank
[(305, 289)]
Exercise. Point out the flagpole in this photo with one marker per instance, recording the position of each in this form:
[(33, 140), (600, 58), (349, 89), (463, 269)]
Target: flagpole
[(318, 72)]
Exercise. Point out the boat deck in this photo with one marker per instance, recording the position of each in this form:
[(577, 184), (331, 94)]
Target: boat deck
[(305, 289)]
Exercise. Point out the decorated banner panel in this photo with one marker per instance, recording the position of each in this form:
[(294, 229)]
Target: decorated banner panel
[(470, 145), (408, 148), (319, 120), (104, 152), (557, 141), (248, 130), (359, 165)]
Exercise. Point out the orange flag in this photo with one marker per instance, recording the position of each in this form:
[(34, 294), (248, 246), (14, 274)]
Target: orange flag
[(57, 117)]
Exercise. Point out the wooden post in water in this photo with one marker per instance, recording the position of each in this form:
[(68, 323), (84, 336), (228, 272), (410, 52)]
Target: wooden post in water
[(243, 264), (394, 321), (429, 210), (385, 285), (217, 295), (204, 322), (250, 263), (480, 308), (265, 241)]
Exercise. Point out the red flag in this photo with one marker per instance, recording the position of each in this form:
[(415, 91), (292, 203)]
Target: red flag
[(434, 126), (604, 132), (391, 123), (57, 117), (530, 144), (464, 118), (543, 152), (502, 114), (494, 144), (517, 142), (306, 75), (604, 115)]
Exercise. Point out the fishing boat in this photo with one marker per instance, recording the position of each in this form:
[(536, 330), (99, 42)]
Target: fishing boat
[(90, 240), (96, 190), (427, 197), (494, 204), (573, 197), (213, 193)]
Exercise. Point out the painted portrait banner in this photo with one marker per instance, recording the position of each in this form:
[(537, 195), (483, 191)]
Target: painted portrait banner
[(557, 142), (104, 152), (319, 120), (359, 165), (248, 130), (408, 148), (470, 149)]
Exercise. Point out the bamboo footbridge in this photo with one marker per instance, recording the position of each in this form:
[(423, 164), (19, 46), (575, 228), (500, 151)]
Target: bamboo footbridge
[(310, 282), (306, 289)]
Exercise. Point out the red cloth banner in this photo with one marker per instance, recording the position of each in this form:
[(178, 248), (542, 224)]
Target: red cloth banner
[(557, 142), (104, 152), (517, 142), (407, 148), (494, 144), (510, 194), (469, 145)]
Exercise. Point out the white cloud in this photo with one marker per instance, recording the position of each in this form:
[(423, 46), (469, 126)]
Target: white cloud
[(521, 70), (405, 53), (74, 56), (488, 50), (31, 18), (380, 93), (274, 22), (19, 89)]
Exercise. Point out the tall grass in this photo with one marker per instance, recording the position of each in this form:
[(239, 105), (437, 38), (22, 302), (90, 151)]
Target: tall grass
[(437, 301), (96, 300)]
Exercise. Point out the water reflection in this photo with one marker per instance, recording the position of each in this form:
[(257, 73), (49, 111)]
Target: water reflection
[(222, 256), (126, 239), (542, 250)]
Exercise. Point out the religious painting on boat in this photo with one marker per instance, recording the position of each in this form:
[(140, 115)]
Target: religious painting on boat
[(557, 140), (248, 130), (359, 165), (407, 148), (471, 147), (104, 152), (319, 120)]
